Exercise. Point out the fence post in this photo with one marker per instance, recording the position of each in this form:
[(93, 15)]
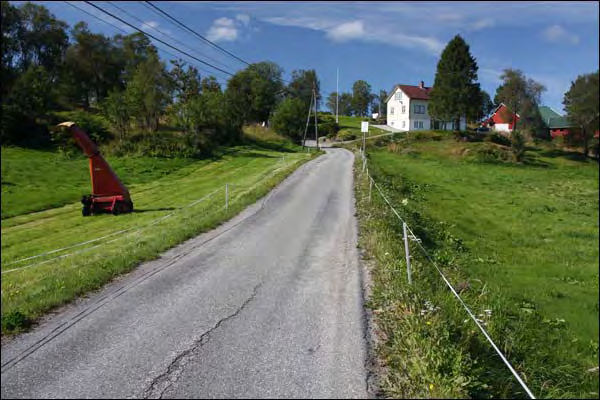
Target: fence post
[(226, 196), (407, 252)]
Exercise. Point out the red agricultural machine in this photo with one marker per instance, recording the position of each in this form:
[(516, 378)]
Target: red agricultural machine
[(109, 195)]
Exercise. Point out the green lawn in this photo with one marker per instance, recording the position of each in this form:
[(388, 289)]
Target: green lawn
[(29, 293), (34, 180), (522, 240), (354, 124)]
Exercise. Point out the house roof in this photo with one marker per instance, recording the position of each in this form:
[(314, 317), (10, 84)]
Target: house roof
[(553, 119), (559, 122), (547, 113), (491, 115), (413, 92)]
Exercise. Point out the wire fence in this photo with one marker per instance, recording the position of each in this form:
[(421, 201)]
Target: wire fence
[(409, 236), (132, 231)]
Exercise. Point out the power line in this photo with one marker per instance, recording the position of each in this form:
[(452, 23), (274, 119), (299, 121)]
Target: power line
[(166, 34), (195, 33), (124, 31), (157, 39)]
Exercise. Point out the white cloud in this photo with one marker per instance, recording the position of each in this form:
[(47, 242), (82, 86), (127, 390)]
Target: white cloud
[(223, 30), (243, 18), (347, 31), (558, 34), (482, 24)]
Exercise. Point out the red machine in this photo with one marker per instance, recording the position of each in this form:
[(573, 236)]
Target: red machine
[(109, 195)]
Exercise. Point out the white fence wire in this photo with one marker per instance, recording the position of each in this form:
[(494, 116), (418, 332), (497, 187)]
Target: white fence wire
[(446, 281)]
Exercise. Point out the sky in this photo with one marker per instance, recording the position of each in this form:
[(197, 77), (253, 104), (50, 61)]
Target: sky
[(384, 43)]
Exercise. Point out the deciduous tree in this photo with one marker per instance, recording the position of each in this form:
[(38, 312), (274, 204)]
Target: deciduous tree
[(582, 106)]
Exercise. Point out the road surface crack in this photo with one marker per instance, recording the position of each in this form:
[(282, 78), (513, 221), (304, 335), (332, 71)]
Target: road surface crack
[(164, 381)]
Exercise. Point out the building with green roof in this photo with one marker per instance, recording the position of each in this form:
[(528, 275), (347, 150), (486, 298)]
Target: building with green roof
[(556, 123)]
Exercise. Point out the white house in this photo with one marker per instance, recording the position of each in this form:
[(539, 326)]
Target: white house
[(408, 110)]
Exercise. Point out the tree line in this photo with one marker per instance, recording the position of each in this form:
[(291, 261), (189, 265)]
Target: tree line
[(456, 93), (121, 89)]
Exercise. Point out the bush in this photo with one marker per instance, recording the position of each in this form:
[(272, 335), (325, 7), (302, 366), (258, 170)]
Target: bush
[(425, 136), (497, 138), (491, 153), (346, 134)]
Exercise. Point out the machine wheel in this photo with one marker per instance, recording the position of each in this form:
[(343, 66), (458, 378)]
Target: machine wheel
[(85, 211)]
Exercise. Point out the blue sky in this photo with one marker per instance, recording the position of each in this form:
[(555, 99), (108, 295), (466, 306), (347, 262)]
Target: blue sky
[(383, 43)]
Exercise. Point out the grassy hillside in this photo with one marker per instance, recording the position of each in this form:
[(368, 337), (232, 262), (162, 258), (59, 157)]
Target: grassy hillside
[(169, 208), (353, 125), (521, 243)]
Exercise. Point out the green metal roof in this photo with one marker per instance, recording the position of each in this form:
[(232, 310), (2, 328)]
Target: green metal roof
[(553, 119), (559, 122)]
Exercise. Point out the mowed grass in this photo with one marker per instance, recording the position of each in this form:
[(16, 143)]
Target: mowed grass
[(520, 241), (354, 124), (34, 180), (168, 211)]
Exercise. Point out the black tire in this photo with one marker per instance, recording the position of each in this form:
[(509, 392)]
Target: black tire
[(85, 211), (116, 209)]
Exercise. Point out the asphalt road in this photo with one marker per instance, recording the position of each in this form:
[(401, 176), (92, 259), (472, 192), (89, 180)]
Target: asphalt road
[(268, 305)]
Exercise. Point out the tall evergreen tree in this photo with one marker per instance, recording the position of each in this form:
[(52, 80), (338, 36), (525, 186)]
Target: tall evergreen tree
[(455, 92)]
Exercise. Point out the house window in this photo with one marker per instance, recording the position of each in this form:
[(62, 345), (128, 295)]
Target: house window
[(419, 109), (398, 96), (421, 124), (403, 109), (392, 111), (416, 124)]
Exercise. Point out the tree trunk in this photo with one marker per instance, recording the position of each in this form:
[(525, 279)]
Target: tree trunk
[(586, 142)]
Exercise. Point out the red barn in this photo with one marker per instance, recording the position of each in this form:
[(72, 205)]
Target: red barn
[(502, 119)]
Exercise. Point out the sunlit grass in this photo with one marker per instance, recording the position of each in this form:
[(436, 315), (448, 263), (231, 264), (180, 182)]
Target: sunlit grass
[(522, 240), (29, 293)]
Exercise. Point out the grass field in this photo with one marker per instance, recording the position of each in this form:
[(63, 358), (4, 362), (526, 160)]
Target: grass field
[(520, 241), (168, 211), (353, 124)]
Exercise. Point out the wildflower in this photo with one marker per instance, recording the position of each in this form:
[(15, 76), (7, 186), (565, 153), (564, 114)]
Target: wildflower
[(404, 202), (431, 386)]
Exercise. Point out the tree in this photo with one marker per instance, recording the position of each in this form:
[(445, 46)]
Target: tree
[(361, 98), (253, 92), (210, 84), (487, 105), (345, 104), (42, 38), (11, 26), (331, 102), (289, 118), (148, 93), (93, 67), (582, 106), (455, 93), (116, 110), (521, 96), (302, 84)]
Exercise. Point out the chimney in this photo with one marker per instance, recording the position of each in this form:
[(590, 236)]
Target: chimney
[(422, 85)]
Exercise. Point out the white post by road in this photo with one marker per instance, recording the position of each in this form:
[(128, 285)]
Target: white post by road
[(370, 185), (407, 252)]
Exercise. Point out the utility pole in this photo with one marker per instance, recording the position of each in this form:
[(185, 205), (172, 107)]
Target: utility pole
[(307, 122), (316, 123), (337, 95)]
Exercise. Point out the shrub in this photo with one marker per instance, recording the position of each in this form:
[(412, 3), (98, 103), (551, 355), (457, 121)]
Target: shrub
[(491, 153), (497, 138), (346, 134)]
